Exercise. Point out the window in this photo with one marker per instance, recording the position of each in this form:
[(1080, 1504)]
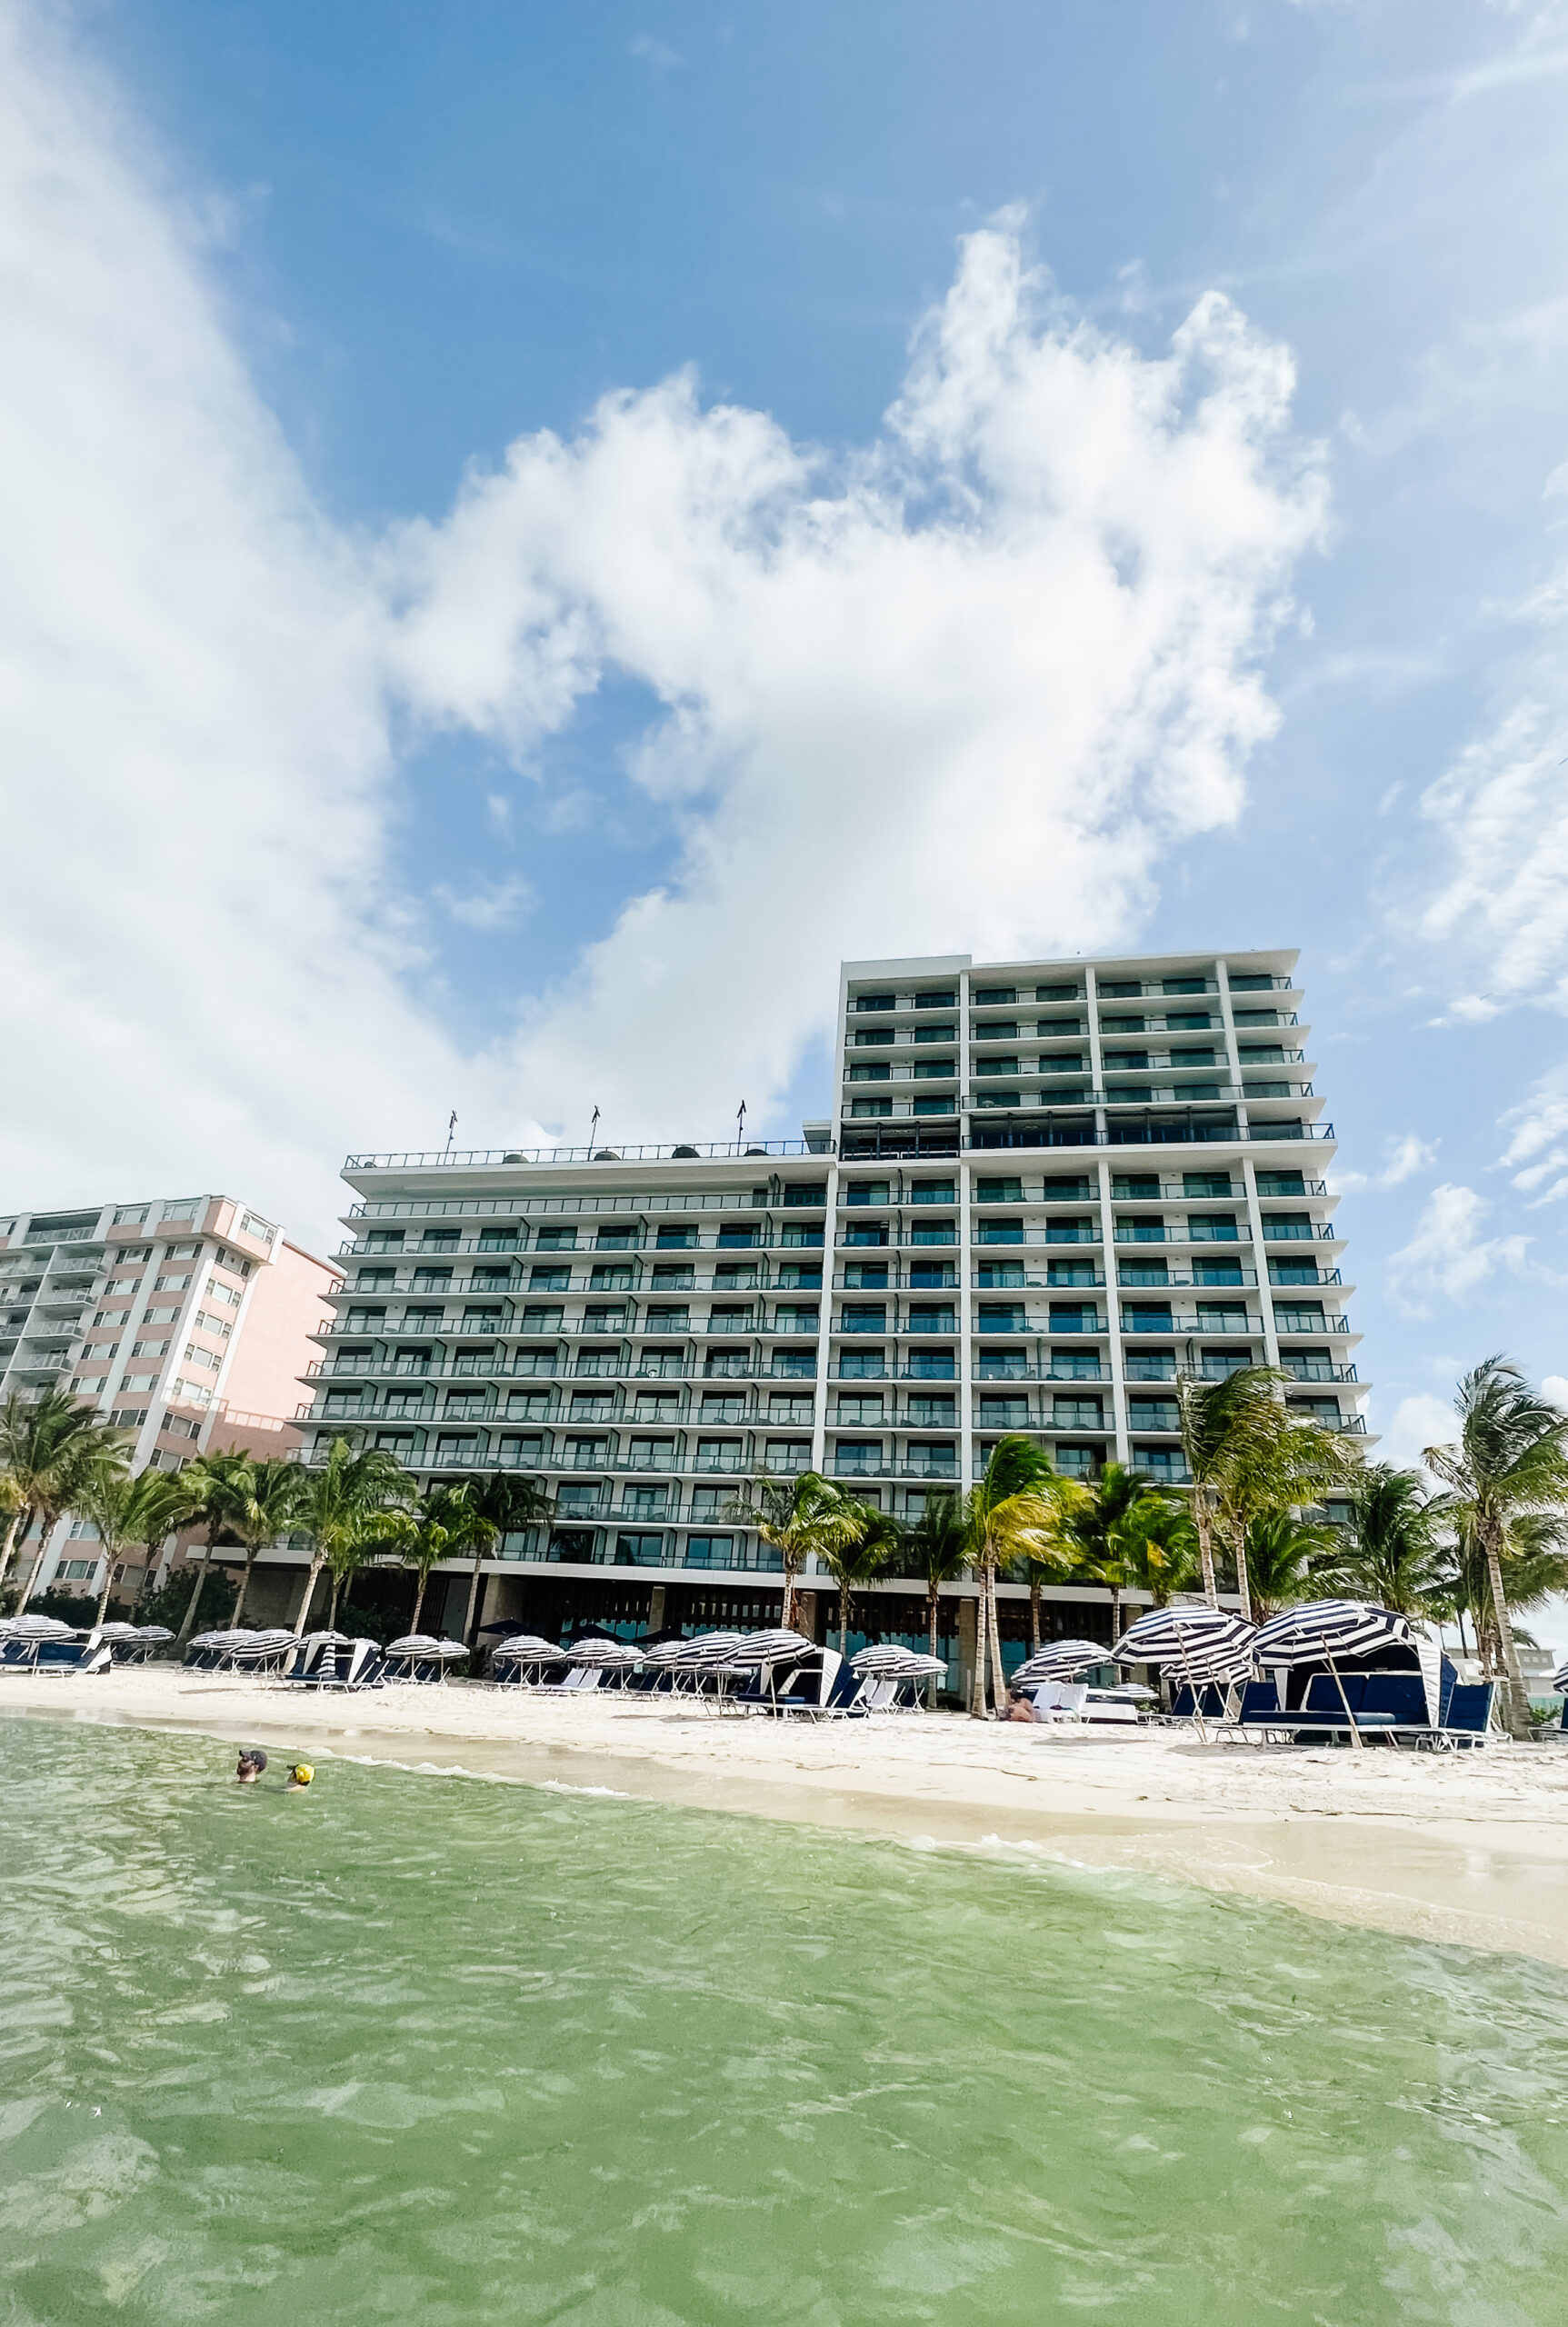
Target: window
[(639, 1550), (718, 1454), (131, 1215), (253, 1225), (789, 1406), (862, 1366), (405, 1402), (1212, 1227), (496, 1277), (234, 1261), (1281, 1184), (999, 1232), (937, 998), (439, 1240), (555, 1240), (1003, 1317), (869, 1035), (201, 1357), (858, 1457), (498, 1240), (793, 1277), (208, 1324), (149, 1349), (549, 1280), (97, 1351), (1182, 985), (724, 1407), (669, 1319), (738, 1239), (1005, 1066), (789, 1455), (1004, 1413), (1291, 1228), (432, 1280), (675, 1239), (935, 1107), (180, 1426), (795, 1362), (800, 1194), (864, 1001), (947, 1033), (866, 1109), (183, 1208), (1120, 989), (864, 1318), (878, 1071), (540, 1320), (528, 1405), (139, 1382), (170, 1283), (1136, 1188), (859, 1191), (75, 1571), (709, 1550), (999, 1192), (930, 1318), (866, 1276), (987, 996), (650, 1454), (1154, 1413), (1057, 992), (130, 1417), (615, 1239), (1249, 980), (228, 1294), (674, 1278), (931, 1413), (610, 1280)]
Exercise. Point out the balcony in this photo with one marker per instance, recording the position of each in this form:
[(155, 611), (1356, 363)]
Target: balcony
[(1182, 1279), (1212, 1328)]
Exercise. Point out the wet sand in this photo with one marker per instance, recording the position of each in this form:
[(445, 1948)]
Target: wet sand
[(1466, 1847)]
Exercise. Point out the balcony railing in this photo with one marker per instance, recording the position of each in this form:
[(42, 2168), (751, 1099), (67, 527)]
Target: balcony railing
[(487, 1158)]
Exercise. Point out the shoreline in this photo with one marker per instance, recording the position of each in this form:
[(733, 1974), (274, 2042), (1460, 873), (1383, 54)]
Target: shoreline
[(1469, 1848)]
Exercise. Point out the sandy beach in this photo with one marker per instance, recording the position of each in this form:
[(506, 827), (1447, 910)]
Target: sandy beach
[(1470, 1847)]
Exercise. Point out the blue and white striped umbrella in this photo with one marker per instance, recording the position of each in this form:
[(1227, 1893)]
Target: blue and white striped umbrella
[(1063, 1661), (1191, 1639), (1559, 1678), (1321, 1630)]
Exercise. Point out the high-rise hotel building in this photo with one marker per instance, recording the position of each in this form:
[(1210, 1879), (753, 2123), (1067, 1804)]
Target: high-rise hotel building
[(1046, 1188)]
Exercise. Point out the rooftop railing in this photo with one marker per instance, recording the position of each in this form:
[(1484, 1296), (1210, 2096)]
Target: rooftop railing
[(488, 1158)]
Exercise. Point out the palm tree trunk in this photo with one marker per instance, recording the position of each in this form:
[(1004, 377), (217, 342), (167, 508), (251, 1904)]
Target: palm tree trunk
[(473, 1602), (1034, 1589), (977, 1678), (45, 1529), (245, 1587), (1515, 1696), (999, 1687), (419, 1599), (1204, 1519), (189, 1619), (310, 1583), (332, 1608), (21, 1519), (844, 1620), (1242, 1585), (108, 1582), (1115, 1613), (932, 1611), (786, 1614)]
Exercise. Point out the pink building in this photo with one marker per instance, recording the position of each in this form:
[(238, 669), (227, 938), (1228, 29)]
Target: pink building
[(185, 1320)]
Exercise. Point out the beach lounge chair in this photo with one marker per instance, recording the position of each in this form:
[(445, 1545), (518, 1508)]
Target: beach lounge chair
[(1060, 1704), (330, 1664), (1104, 1709), (1468, 1718), (577, 1683), (62, 1656)]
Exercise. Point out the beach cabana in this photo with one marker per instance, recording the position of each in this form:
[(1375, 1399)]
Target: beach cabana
[(1198, 1646), (1348, 1668), (423, 1657)]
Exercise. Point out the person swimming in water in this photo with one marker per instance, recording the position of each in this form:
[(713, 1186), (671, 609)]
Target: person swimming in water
[(251, 1762), (300, 1775)]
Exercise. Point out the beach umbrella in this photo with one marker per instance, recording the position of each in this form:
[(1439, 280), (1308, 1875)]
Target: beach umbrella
[(771, 1648), (311, 1640), (153, 1632), (425, 1644), (1064, 1660), (1136, 1690), (883, 1656), (605, 1652), (1201, 1643), (712, 1648), (1322, 1629), (37, 1628), (118, 1632), (1560, 1678), (531, 1648)]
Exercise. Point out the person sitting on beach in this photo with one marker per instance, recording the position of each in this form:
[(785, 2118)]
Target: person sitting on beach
[(300, 1775), (251, 1762), (1020, 1709)]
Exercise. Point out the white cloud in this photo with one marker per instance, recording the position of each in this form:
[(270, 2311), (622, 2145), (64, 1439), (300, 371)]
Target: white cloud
[(1555, 1386), (1539, 1147), (1502, 809), (202, 965), (958, 690), (1418, 1422), (1402, 1158), (1447, 1258), (494, 904)]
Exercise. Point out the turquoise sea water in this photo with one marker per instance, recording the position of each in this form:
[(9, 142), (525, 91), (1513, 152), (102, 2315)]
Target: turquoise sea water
[(423, 2048)]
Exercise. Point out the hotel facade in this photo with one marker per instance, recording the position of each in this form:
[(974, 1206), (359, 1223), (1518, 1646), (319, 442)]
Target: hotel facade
[(185, 1320), (1045, 1189)]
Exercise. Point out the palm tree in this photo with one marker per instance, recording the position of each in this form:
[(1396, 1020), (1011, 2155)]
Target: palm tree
[(1281, 1550), (854, 1560), (1016, 1511), (50, 1446), (343, 1503), (1124, 1510), (797, 1516), (502, 1505), (1389, 1550), (265, 1500), (128, 1509), (1162, 1557), (1509, 1465), (936, 1549), (440, 1527), (211, 1484), (1249, 1456)]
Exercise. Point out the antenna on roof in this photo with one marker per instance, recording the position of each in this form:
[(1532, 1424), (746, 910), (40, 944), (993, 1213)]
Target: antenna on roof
[(594, 1128), (451, 1128), (741, 1124)]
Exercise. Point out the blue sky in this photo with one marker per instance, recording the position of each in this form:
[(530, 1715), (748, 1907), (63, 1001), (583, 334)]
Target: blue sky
[(366, 767)]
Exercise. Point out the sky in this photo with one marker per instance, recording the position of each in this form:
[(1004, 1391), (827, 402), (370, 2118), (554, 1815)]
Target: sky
[(528, 534)]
